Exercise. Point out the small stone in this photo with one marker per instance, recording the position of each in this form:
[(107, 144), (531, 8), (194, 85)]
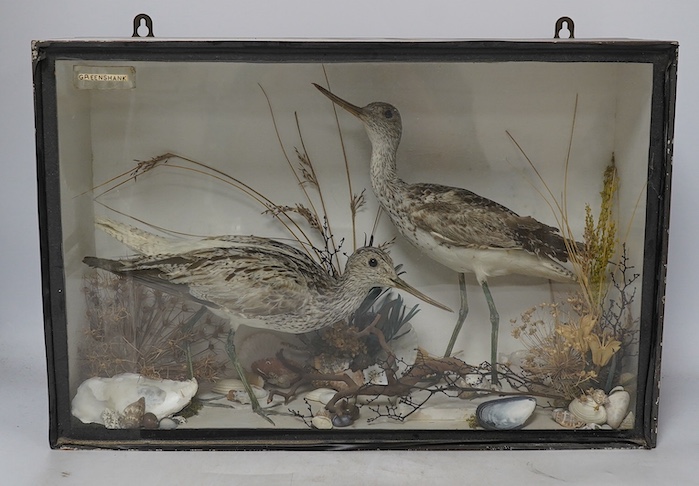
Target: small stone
[(168, 424), (342, 420)]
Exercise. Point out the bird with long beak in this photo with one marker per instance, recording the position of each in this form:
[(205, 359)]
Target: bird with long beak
[(253, 281), (456, 227)]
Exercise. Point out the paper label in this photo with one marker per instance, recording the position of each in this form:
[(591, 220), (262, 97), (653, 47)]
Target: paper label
[(104, 77)]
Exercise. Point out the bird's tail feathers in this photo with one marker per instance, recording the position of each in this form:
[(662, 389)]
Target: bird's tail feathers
[(114, 266), (136, 239)]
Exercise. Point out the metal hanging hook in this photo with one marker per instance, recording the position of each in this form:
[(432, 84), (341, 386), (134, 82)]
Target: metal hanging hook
[(137, 23), (569, 24)]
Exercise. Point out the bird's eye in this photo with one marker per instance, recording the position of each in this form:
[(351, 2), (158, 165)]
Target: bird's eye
[(373, 262), (388, 114)]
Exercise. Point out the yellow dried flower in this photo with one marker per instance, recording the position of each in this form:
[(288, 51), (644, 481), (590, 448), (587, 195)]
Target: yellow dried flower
[(576, 336), (603, 349)]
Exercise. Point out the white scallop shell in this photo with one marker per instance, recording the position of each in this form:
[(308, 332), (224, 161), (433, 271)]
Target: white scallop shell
[(588, 411), (162, 397), (617, 406)]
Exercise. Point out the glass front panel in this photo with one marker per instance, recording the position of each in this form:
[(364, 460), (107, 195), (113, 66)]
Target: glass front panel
[(160, 160)]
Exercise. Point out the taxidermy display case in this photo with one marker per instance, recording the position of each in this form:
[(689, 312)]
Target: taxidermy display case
[(354, 244)]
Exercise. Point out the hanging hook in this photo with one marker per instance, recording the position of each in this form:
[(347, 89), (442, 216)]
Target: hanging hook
[(569, 25), (137, 24)]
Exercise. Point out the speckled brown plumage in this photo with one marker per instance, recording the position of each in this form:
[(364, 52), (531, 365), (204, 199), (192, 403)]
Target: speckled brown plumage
[(251, 280), (456, 227)]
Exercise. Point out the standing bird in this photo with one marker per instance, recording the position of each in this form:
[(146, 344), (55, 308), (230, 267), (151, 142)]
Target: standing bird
[(252, 280), (461, 230)]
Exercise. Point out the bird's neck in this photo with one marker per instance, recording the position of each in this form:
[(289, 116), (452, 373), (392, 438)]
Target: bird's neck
[(354, 290), (384, 175)]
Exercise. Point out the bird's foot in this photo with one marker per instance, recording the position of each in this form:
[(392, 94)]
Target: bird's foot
[(263, 413)]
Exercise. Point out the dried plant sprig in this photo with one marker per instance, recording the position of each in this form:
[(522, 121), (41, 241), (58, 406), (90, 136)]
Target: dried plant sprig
[(310, 217), (577, 347), (357, 203), (600, 239), (305, 168), (589, 260), (296, 232), (346, 160), (137, 329), (311, 174)]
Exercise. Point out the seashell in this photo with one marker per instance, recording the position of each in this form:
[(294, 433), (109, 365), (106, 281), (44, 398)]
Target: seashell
[(111, 419), (628, 422), (596, 427), (225, 386), (598, 396), (133, 414), (320, 395), (588, 411), (149, 421), (617, 406), (162, 397), (322, 420), (505, 413), (566, 418), (241, 395)]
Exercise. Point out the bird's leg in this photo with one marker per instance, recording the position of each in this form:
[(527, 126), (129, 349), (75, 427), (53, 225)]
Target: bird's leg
[(187, 327), (495, 323), (463, 312), (254, 403)]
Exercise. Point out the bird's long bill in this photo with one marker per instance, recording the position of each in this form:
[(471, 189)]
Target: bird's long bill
[(355, 110), (401, 284)]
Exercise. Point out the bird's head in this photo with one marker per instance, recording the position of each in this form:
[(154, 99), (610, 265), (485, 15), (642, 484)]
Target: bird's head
[(381, 120), (373, 267)]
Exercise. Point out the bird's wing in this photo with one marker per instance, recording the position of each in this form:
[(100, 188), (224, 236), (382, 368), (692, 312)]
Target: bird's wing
[(460, 217), (253, 282)]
